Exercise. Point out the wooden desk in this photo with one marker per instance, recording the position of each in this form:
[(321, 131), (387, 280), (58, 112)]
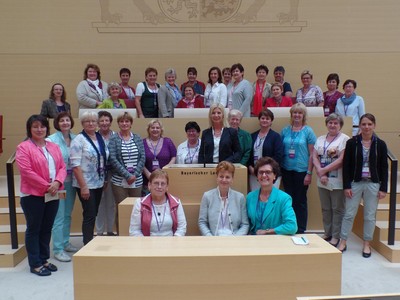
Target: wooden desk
[(246, 267)]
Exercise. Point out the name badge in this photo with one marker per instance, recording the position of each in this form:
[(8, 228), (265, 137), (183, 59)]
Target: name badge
[(323, 162), (365, 172), (292, 153), (156, 164), (326, 111)]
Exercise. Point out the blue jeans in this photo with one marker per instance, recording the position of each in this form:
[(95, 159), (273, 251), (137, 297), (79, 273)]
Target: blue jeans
[(293, 182), (62, 223), (90, 208), (39, 222)]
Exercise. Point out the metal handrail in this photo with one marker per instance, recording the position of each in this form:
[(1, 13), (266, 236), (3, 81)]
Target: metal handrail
[(11, 201), (392, 197)]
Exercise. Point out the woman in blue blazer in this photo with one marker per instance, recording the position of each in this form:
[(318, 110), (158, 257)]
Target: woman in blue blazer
[(226, 139), (268, 208), (266, 142)]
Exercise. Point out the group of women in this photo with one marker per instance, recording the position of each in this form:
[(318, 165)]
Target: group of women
[(227, 87), (104, 167)]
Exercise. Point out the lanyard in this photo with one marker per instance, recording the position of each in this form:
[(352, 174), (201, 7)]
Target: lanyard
[(226, 206), (194, 152), (326, 147), (126, 144), (260, 211), (155, 149), (294, 136), (261, 140), (159, 222), (102, 150)]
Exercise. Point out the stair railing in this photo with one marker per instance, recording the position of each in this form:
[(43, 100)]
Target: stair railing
[(392, 197), (11, 201)]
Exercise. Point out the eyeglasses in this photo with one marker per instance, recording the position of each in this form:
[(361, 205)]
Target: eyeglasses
[(90, 121), (156, 183), (267, 172)]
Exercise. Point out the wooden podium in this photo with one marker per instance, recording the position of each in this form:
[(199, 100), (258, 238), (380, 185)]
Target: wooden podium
[(242, 267), (190, 182)]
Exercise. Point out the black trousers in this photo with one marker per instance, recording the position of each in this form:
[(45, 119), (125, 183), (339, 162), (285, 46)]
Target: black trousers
[(90, 208), (293, 183)]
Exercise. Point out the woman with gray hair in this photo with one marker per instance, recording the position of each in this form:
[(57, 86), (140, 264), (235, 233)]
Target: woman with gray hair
[(328, 160), (114, 89), (88, 160), (234, 119), (168, 95)]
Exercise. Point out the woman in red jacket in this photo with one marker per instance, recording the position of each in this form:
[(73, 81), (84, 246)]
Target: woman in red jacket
[(191, 100)]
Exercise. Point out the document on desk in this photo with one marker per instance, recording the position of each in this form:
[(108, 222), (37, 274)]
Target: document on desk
[(299, 240)]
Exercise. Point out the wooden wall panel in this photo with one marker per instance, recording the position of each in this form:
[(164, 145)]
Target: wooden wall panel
[(45, 43)]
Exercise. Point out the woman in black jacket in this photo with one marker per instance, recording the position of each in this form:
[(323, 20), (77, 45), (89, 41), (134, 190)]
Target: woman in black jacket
[(219, 142), (365, 175)]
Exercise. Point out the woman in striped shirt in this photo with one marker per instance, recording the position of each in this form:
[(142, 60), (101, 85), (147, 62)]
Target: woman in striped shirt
[(127, 158)]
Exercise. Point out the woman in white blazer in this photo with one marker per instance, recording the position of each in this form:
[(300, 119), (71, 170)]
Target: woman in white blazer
[(91, 91), (223, 210)]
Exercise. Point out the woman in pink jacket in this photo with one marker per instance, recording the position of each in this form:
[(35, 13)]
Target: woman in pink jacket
[(43, 172)]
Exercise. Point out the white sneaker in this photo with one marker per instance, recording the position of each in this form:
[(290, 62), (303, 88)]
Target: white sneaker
[(70, 248), (62, 256)]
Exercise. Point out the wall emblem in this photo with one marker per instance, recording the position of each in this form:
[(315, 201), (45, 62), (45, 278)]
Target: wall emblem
[(199, 16)]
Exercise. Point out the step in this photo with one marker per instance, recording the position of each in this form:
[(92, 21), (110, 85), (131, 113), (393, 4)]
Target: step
[(4, 202), (5, 236), (386, 200), (382, 213), (382, 228), (9, 258), (379, 242), (5, 218), (3, 185)]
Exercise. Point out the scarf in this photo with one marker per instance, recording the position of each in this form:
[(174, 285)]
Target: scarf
[(97, 86), (348, 101), (102, 151), (189, 103), (257, 99), (176, 91)]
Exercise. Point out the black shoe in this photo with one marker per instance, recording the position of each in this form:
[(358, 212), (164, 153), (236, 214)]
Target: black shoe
[(42, 271), (327, 238), (335, 245), (111, 233), (344, 249), (50, 267), (367, 254)]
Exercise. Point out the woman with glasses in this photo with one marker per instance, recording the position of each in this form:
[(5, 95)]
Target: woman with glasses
[(159, 213), (268, 208)]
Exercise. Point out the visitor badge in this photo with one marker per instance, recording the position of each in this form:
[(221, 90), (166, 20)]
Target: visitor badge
[(292, 153), (156, 164), (365, 172)]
